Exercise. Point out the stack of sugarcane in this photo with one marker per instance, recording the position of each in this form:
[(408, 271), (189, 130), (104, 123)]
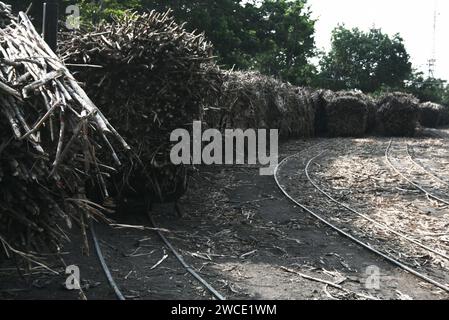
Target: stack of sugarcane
[(371, 105), (444, 116), (5, 15), (152, 77), (50, 132), (252, 100), (300, 112), (244, 101), (320, 99), (398, 114), (433, 115), (347, 114)]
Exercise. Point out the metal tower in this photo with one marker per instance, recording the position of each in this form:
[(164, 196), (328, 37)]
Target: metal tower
[(433, 60)]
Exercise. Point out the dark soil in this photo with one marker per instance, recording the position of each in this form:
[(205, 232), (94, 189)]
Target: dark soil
[(241, 234)]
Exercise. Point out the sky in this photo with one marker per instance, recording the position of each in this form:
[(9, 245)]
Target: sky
[(412, 19)]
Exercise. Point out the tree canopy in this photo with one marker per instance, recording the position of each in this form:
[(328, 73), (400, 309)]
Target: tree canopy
[(428, 89), (365, 60), (276, 37)]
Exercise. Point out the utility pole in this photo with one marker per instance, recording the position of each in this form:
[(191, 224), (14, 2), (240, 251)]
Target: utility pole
[(433, 60), (50, 23)]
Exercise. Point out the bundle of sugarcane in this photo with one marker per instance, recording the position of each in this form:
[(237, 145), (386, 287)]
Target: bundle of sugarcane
[(154, 77), (33, 211), (433, 115), (370, 103), (5, 15), (244, 102), (320, 99), (301, 113), (252, 100), (50, 133), (397, 114), (371, 124), (347, 115), (444, 116)]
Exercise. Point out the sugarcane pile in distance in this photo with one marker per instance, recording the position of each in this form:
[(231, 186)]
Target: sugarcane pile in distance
[(433, 115), (397, 114), (321, 98), (347, 115), (371, 105), (252, 100), (50, 132), (154, 78), (444, 116)]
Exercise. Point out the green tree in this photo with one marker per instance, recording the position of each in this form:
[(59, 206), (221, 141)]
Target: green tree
[(365, 60), (97, 10), (272, 36), (226, 23), (286, 32), (445, 98), (428, 89)]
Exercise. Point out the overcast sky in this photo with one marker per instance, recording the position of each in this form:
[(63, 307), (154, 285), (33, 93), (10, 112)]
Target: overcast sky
[(413, 19)]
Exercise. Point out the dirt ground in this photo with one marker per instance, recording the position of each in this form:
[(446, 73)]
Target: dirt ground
[(250, 242)]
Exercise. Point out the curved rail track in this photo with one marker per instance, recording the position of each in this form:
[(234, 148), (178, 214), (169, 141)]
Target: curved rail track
[(104, 265), (424, 168), (346, 234), (430, 194), (366, 217), (321, 218), (167, 243)]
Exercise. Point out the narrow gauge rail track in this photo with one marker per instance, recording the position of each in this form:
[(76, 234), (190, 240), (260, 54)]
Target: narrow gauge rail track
[(364, 216), (367, 246), (346, 234), (429, 193), (118, 293), (424, 168)]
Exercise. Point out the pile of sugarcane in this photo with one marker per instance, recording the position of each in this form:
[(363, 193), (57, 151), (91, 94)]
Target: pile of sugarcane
[(320, 100), (300, 115), (343, 113), (252, 100), (433, 115), (444, 116), (371, 105), (149, 76), (243, 102), (5, 15), (347, 115), (50, 135), (397, 114)]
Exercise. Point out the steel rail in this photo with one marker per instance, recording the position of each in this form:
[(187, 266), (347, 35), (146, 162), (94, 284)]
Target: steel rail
[(103, 263), (188, 268), (364, 216), (349, 236), (417, 186), (424, 169)]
